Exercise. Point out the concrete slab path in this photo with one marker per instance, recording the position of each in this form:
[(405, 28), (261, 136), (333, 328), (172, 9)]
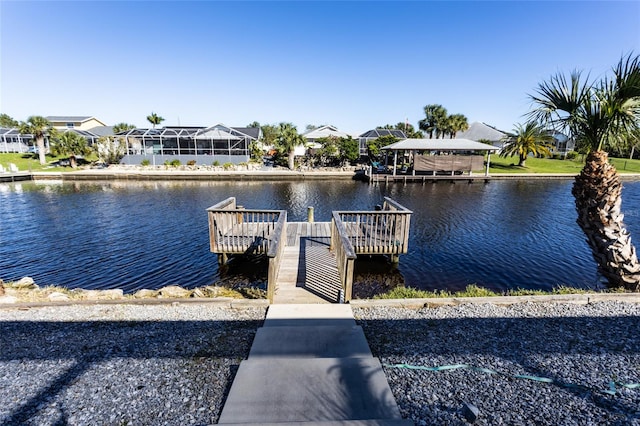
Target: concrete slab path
[(311, 365)]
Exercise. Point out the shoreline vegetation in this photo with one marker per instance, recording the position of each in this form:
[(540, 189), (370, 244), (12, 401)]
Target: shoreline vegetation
[(26, 290)]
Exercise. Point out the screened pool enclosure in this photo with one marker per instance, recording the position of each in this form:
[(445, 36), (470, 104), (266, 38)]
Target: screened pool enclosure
[(202, 145)]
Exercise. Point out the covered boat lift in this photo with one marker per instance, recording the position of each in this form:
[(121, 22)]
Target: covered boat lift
[(442, 155)]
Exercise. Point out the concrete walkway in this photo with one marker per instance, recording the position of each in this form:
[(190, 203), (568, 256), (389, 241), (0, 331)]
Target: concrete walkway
[(310, 365)]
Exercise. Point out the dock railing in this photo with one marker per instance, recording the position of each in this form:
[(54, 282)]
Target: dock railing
[(276, 247), (235, 230), (345, 255), (384, 231)]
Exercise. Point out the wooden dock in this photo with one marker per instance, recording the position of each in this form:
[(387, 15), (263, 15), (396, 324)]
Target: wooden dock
[(308, 271), (309, 262)]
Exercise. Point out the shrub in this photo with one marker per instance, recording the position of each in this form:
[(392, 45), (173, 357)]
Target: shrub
[(145, 162), (175, 163), (191, 163), (216, 163), (227, 166), (571, 155)]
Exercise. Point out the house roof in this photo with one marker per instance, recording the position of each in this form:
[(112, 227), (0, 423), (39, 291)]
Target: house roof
[(325, 132), (376, 133), (71, 118), (253, 132), (440, 145), (102, 130), (479, 131)]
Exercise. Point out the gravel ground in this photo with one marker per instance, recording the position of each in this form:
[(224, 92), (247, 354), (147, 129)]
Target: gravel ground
[(588, 345), (120, 364), (173, 364)]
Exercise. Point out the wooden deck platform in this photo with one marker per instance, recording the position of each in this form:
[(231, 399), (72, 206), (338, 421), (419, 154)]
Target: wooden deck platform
[(309, 262), (308, 270)]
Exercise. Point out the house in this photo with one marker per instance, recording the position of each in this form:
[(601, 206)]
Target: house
[(483, 132), (62, 122), (204, 145), (370, 135), (314, 136)]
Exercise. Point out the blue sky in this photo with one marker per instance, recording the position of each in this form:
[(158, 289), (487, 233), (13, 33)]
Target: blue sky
[(356, 65)]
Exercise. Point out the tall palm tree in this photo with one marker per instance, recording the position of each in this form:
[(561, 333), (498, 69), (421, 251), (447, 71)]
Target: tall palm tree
[(435, 116), (39, 127), (287, 141), (154, 119), (599, 115), (457, 123), (531, 138)]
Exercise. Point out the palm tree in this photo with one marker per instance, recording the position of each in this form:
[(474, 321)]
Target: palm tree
[(39, 127), (72, 144), (434, 120), (154, 119), (287, 141), (599, 115), (457, 123), (531, 138), (123, 127)]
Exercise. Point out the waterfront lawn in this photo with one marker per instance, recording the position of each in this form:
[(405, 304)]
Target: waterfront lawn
[(535, 165), (549, 165), (29, 162)]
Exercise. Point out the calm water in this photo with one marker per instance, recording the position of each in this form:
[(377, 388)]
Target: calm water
[(501, 235)]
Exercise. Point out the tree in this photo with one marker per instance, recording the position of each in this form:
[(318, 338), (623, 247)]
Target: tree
[(269, 134), (154, 119), (8, 122), (435, 117), (599, 115), (110, 149), (349, 149), (123, 127), (253, 124), (39, 127), (287, 140), (375, 146), (528, 139), (72, 144), (456, 123), (406, 128)]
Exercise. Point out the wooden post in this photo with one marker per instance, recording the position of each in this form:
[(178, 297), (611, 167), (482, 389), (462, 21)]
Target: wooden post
[(486, 173), (310, 214), (395, 162)]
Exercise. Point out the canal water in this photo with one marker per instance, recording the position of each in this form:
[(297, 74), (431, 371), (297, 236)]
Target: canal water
[(133, 235)]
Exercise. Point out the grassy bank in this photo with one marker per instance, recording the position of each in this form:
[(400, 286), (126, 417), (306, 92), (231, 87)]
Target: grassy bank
[(30, 162), (549, 165), (476, 291)]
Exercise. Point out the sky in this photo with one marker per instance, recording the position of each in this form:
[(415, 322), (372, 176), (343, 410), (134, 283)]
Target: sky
[(353, 64)]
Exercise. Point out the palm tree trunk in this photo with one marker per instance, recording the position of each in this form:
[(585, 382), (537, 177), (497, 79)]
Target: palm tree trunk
[(291, 157), (41, 153), (597, 191), (522, 162)]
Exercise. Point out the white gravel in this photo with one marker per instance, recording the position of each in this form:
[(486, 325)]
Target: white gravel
[(120, 364), (588, 345)]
